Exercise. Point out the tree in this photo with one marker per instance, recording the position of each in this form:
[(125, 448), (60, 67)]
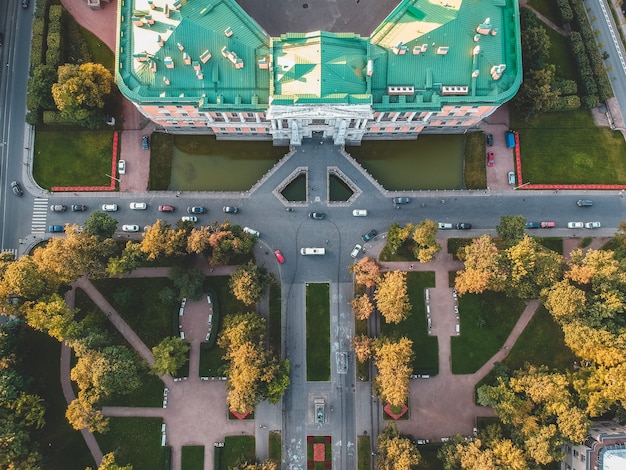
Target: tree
[(396, 452), (426, 246), (132, 257), (22, 278), (248, 282), (100, 225), (397, 236), (241, 328), (266, 465), (362, 345), (229, 241), (40, 85), (391, 297), (511, 229), (169, 356), (535, 47), (108, 463), (81, 414), (198, 240), (483, 268), (564, 301), (159, 241), (362, 307), (31, 408), (188, 280), (536, 95), (52, 316), (81, 92), (366, 271), (393, 362)]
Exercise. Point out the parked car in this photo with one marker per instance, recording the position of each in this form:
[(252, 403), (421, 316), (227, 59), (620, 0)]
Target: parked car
[(575, 225), (401, 200), (130, 228), (230, 209), (548, 225), (56, 228), (584, 203), (16, 188), (355, 251), (317, 215), (251, 231), (279, 256), (533, 224), (109, 207), (58, 208), (369, 235), (592, 225), (79, 207), (1, 39), (166, 209), (444, 226), (196, 210), (463, 226), (489, 140), (359, 212), (511, 176), (189, 218), (138, 206), (121, 167), (145, 142)]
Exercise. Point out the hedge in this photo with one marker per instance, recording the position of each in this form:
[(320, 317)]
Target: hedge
[(567, 103), (56, 118)]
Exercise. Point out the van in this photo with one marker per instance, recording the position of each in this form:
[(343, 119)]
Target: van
[(313, 251), (252, 232), (359, 212)]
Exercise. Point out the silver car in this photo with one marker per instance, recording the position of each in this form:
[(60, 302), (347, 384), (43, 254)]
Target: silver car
[(130, 228), (109, 207), (356, 250)]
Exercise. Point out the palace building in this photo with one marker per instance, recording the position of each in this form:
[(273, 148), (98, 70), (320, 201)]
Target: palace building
[(206, 66)]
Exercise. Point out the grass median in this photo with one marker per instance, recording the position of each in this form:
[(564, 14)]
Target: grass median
[(318, 332)]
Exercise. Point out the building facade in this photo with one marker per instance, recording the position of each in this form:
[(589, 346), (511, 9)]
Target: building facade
[(207, 66), (604, 449)]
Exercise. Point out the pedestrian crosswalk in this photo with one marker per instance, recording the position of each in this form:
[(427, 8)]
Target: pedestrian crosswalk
[(14, 251), (40, 215)]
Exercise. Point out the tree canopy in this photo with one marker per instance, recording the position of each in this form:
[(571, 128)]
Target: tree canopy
[(248, 282), (392, 298), (393, 360), (394, 451), (169, 356)]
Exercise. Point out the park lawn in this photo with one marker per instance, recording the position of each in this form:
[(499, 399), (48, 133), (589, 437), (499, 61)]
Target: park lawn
[(547, 8), (275, 446), (235, 448), (318, 332), (403, 254), (415, 327), (161, 150), (135, 441), (475, 164), (68, 157), (100, 51), (561, 56), (430, 460), (61, 447), (541, 343), (364, 453), (455, 244), (567, 148), (486, 322), (275, 320), (139, 304), (192, 458), (552, 243)]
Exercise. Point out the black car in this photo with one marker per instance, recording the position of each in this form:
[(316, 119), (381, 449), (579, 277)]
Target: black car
[(463, 226), (489, 140), (533, 224), (317, 215), (196, 210), (78, 207), (1, 38), (401, 200), (369, 235), (17, 189), (230, 209)]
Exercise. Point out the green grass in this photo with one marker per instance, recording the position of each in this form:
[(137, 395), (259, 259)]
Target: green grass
[(561, 56), (40, 359), (318, 332), (364, 453), (486, 321), (161, 147), (135, 441), (567, 148), (415, 327), (547, 8), (552, 243), (454, 244), (192, 458), (100, 51), (275, 446), (275, 321), (403, 254), (430, 461), (235, 448), (65, 157), (474, 169)]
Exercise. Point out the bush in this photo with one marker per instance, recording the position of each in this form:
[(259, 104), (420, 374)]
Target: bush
[(566, 103), (591, 101), (56, 118), (566, 87), (567, 15)]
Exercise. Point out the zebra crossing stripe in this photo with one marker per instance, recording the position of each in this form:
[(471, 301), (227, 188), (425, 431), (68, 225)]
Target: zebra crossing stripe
[(40, 215)]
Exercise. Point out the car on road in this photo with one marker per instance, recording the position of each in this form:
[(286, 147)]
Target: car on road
[(317, 215), (196, 210), (145, 142), (138, 206), (251, 231), (1, 39), (444, 226), (359, 212), (78, 207), (16, 188), (109, 207), (511, 177), (230, 209), (490, 159), (58, 208), (592, 225), (548, 224), (166, 209), (584, 203), (56, 228), (24, 3), (533, 224), (279, 256), (575, 225), (489, 140), (401, 200), (463, 226), (121, 167), (189, 218), (369, 235), (130, 228), (355, 251)]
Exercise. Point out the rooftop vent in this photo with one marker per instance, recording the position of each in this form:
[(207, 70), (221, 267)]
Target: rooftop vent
[(400, 90), (454, 90)]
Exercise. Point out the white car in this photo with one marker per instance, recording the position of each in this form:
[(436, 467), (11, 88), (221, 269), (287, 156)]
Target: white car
[(189, 218), (575, 225), (444, 226), (121, 167), (130, 228), (138, 206), (592, 225), (356, 250), (252, 232), (359, 212), (109, 207)]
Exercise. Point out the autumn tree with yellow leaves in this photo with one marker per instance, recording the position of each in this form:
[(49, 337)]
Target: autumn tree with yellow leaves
[(392, 297)]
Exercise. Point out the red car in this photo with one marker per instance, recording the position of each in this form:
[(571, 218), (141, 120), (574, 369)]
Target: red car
[(548, 225), (279, 256), (166, 209), (490, 159)]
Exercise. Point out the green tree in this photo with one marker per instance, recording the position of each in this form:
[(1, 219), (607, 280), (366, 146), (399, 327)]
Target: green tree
[(40, 85), (22, 278), (31, 408), (229, 242), (188, 280), (169, 356), (536, 95), (391, 297), (511, 229), (397, 236), (101, 225), (535, 47), (108, 463), (248, 282), (396, 452)]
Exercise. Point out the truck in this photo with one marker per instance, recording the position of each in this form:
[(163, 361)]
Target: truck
[(509, 137)]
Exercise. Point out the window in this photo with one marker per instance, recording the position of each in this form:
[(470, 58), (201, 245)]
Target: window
[(575, 453), (582, 458)]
